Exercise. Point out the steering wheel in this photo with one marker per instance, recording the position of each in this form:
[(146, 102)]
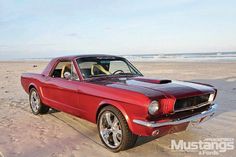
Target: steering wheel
[(118, 71)]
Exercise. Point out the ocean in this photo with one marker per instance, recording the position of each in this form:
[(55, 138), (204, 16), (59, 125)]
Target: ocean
[(182, 57), (165, 57)]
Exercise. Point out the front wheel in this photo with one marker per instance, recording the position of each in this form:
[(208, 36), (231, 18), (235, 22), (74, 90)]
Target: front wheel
[(114, 130), (36, 105)]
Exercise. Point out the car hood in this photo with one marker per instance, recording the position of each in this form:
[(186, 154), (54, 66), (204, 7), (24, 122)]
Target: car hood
[(155, 87)]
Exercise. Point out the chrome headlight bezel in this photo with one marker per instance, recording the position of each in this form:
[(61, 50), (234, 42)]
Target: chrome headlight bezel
[(153, 107)]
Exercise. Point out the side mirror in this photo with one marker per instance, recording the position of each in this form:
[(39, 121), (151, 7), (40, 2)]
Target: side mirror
[(67, 75)]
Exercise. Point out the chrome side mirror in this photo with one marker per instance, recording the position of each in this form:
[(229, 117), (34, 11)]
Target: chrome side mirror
[(67, 75)]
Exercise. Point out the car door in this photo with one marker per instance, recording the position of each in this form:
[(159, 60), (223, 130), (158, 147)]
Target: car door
[(61, 92)]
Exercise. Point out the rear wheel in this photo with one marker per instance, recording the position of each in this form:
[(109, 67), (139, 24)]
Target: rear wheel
[(36, 104), (114, 130)]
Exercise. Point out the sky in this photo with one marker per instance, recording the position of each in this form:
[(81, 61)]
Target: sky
[(49, 28)]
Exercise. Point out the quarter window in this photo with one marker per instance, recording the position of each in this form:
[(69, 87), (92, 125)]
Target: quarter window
[(65, 69)]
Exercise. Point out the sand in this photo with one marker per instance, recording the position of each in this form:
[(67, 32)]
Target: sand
[(58, 134)]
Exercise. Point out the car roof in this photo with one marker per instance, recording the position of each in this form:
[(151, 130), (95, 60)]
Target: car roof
[(86, 56)]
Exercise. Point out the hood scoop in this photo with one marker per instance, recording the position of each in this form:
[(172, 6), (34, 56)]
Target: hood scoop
[(155, 81), (164, 81)]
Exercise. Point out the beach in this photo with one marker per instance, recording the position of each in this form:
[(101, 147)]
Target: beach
[(58, 134)]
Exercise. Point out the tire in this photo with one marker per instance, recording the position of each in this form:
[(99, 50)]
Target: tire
[(36, 104), (114, 133)]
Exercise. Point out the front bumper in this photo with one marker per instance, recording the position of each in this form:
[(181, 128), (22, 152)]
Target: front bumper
[(203, 116)]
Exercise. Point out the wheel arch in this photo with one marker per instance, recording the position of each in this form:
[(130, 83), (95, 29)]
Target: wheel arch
[(32, 86), (119, 107)]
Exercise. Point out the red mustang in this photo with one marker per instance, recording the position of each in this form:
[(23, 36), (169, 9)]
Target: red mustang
[(111, 92)]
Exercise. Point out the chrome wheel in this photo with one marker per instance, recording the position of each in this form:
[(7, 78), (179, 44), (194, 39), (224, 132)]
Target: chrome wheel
[(110, 129), (34, 101)]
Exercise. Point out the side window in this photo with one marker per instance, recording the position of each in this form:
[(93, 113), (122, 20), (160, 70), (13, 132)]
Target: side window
[(66, 70)]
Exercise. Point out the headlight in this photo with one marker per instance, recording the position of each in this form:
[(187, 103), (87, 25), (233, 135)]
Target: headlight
[(153, 107), (211, 97)]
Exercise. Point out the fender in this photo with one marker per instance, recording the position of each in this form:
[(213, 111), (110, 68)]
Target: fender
[(120, 107), (38, 89), (34, 85)]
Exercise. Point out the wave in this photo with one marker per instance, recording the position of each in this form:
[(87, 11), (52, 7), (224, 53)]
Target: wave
[(224, 56)]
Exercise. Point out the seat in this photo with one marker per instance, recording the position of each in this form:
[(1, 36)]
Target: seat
[(65, 68), (97, 69)]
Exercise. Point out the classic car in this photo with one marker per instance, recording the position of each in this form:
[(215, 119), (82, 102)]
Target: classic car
[(110, 92)]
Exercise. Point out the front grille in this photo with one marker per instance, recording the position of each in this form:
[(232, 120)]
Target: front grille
[(191, 102)]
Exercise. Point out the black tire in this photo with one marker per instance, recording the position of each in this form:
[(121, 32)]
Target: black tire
[(41, 108), (128, 139)]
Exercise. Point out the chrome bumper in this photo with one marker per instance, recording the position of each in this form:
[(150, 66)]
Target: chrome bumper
[(205, 114)]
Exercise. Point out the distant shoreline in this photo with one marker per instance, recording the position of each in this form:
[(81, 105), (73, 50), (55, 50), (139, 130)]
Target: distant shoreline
[(133, 61), (164, 57)]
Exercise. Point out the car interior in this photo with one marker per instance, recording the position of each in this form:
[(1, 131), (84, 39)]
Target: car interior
[(61, 69), (95, 69), (90, 70)]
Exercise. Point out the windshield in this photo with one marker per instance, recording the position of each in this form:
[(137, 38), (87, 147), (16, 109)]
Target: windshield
[(98, 67)]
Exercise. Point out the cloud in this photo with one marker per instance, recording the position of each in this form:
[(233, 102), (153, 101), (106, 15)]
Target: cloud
[(72, 34), (4, 46)]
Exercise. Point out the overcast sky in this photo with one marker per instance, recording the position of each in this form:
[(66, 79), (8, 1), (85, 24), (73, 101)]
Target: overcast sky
[(38, 28)]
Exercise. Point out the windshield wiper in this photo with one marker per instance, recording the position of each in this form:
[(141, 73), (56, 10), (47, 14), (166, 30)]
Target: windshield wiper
[(112, 75), (126, 74), (97, 76)]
